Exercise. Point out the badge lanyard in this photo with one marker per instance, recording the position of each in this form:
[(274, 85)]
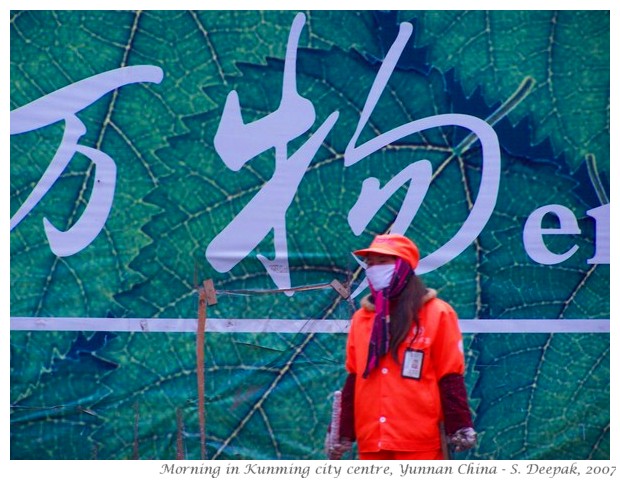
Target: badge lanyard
[(412, 362)]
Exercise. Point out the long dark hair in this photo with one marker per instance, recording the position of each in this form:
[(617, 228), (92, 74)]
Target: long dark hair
[(404, 312)]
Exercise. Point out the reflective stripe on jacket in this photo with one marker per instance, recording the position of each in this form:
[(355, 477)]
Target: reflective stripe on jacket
[(397, 413)]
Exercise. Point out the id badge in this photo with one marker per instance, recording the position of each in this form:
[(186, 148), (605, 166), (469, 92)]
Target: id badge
[(412, 364)]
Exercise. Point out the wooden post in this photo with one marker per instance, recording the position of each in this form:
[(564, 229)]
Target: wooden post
[(206, 296), (209, 292), (180, 445), (200, 367), (445, 446)]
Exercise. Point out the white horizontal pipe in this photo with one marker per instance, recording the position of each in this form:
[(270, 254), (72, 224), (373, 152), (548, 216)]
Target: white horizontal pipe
[(268, 325)]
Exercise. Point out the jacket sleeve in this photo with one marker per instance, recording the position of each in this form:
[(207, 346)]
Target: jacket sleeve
[(350, 352), (447, 347), (347, 406), (347, 413), (449, 363), (454, 403)]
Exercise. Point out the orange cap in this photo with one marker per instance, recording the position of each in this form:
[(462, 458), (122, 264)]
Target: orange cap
[(393, 244)]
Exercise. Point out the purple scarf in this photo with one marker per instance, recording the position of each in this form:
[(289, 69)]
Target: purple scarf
[(380, 337)]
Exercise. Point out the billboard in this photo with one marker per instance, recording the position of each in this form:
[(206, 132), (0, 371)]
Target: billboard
[(154, 150)]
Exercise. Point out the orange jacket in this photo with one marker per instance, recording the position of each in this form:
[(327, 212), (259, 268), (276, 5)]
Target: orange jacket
[(397, 413)]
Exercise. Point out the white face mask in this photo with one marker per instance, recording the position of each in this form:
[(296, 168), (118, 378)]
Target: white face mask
[(380, 276)]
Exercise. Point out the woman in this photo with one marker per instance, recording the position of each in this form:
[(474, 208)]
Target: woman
[(405, 365)]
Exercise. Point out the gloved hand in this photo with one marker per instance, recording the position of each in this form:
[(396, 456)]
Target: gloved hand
[(337, 451), (464, 439)]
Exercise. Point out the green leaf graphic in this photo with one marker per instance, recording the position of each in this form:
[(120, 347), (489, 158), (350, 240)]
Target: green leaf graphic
[(535, 75), (565, 52)]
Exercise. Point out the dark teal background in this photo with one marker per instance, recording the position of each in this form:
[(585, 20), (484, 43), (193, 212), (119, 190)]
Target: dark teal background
[(113, 395)]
